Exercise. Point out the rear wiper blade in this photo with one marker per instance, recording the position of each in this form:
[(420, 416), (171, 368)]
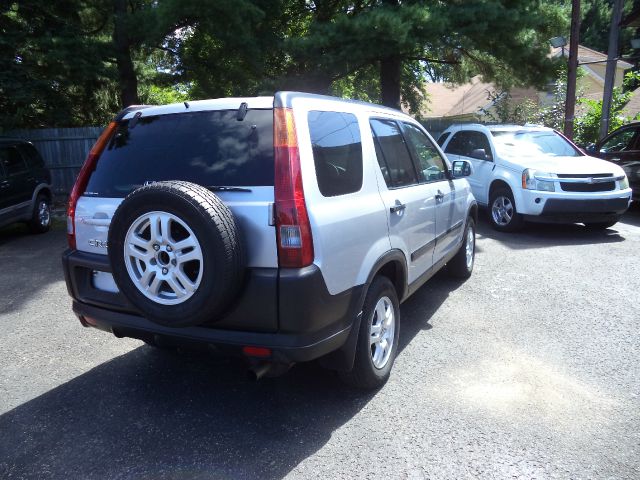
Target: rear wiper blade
[(222, 188)]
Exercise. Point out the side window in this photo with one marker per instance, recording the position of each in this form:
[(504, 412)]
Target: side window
[(465, 142), (12, 161), (443, 138), (393, 156), (620, 142), (337, 152), (430, 162), (34, 160)]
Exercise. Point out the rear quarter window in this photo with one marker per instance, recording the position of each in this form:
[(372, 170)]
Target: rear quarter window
[(337, 152), (209, 148)]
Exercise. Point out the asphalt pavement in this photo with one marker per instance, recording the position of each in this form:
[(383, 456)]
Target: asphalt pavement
[(530, 369)]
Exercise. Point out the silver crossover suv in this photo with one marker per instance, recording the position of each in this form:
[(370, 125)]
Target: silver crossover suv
[(285, 228)]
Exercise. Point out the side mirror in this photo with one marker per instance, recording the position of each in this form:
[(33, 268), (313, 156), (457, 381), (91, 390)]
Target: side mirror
[(479, 153), (462, 168), (591, 148)]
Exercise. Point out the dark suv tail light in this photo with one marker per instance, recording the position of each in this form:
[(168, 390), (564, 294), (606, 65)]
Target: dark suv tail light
[(79, 187), (293, 230)]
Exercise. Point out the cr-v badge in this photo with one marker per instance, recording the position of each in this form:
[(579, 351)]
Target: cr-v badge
[(98, 243)]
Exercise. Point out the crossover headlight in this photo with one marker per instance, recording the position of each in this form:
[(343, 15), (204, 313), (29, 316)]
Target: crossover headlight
[(530, 182), (624, 183)]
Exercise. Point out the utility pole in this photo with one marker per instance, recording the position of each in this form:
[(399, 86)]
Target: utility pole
[(612, 60), (572, 70)]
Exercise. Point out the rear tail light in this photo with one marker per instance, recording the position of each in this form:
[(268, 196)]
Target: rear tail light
[(83, 178), (261, 352), (293, 230)]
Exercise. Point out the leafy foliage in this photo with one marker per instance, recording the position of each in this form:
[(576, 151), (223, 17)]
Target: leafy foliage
[(73, 62)]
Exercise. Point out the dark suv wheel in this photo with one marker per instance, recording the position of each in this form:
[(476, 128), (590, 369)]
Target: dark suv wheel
[(41, 217)]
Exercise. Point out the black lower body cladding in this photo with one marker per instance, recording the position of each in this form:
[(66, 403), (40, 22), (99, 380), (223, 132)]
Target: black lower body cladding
[(288, 311), (176, 253)]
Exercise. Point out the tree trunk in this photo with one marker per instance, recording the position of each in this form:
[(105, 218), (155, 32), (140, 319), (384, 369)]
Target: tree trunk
[(127, 79), (390, 69)]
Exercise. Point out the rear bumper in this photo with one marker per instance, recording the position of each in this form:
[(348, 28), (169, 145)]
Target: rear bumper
[(285, 348), (289, 311)]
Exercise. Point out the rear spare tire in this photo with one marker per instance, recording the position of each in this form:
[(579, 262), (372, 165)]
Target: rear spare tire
[(175, 253)]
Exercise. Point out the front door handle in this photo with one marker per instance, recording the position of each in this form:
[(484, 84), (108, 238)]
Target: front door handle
[(398, 207), (439, 196)]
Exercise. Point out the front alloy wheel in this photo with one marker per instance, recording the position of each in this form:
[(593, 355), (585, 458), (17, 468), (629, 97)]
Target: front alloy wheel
[(503, 213)]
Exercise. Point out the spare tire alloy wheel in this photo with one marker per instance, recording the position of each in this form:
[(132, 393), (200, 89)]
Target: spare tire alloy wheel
[(165, 269), (176, 253)]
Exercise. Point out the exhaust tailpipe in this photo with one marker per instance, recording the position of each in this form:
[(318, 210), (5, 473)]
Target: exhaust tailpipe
[(256, 372)]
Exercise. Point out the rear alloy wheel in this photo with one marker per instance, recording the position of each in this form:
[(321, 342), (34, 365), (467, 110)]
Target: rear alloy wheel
[(502, 211), (41, 218), (176, 253), (377, 343)]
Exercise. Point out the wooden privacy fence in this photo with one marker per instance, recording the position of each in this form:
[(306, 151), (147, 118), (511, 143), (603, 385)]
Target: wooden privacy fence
[(63, 150)]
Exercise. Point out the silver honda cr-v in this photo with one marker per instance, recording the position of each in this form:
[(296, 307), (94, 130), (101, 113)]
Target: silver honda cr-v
[(286, 228)]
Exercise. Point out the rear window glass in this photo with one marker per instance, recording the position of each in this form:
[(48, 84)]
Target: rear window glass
[(209, 148), (337, 152)]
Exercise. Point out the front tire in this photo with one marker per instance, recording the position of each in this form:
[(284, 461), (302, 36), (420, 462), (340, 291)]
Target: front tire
[(503, 214), (377, 343), (461, 265)]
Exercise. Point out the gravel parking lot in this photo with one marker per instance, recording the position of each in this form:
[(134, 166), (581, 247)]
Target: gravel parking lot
[(528, 370)]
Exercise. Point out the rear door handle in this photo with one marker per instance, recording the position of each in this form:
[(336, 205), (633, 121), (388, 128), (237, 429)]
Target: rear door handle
[(398, 207), (439, 196)]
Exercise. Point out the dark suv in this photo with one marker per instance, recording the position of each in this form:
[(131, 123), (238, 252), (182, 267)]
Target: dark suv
[(25, 186), (622, 147)]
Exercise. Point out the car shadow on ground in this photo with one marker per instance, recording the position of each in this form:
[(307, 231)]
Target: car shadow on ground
[(188, 414), (30, 263), (541, 235)]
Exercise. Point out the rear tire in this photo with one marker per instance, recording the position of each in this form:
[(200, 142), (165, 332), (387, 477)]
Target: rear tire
[(41, 217), (461, 265), (503, 214), (379, 330)]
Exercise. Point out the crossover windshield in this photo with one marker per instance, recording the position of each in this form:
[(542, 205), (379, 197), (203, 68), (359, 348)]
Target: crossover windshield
[(532, 143)]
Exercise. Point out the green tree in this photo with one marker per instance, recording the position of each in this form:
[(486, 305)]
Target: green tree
[(504, 41), (588, 124)]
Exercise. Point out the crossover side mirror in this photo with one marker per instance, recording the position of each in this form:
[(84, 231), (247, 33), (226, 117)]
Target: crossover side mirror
[(480, 154), (462, 168)]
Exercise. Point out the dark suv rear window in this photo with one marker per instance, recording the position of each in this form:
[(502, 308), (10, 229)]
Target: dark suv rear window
[(210, 148)]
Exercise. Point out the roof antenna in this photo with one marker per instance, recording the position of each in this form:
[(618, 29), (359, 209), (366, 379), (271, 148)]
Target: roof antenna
[(186, 104), (242, 111)]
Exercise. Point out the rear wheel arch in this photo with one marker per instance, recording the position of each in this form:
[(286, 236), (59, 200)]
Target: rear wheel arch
[(392, 265)]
